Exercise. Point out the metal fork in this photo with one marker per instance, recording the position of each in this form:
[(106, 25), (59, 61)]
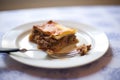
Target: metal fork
[(60, 55)]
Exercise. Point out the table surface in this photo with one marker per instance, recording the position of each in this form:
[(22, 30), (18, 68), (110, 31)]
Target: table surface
[(105, 18)]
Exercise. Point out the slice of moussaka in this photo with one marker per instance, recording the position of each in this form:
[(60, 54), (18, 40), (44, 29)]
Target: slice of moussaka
[(52, 36)]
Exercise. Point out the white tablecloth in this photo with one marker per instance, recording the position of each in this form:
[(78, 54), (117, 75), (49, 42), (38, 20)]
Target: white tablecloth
[(105, 18)]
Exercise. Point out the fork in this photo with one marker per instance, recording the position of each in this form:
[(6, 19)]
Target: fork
[(65, 55)]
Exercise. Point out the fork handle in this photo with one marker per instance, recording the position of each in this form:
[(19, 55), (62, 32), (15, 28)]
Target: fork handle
[(7, 50)]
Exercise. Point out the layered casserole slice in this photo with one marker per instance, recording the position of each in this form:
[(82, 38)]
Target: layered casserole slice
[(52, 36)]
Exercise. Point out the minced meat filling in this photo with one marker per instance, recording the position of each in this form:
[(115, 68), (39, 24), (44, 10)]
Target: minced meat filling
[(46, 41)]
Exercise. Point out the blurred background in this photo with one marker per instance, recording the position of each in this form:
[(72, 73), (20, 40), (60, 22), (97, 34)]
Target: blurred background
[(22, 4)]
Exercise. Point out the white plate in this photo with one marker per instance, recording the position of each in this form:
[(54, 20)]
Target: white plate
[(18, 37)]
